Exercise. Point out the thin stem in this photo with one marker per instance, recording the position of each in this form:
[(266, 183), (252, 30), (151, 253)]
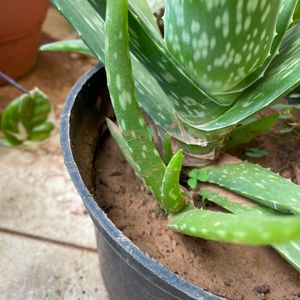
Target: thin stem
[(13, 83)]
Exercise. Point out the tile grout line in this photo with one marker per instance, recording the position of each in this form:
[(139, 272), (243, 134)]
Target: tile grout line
[(47, 240)]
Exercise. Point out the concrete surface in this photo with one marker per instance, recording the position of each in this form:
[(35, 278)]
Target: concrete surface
[(47, 242), (35, 269)]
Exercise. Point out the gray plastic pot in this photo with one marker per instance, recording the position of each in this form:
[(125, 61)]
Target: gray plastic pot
[(128, 273)]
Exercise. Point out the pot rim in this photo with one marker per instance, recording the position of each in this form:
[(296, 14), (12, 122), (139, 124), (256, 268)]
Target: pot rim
[(100, 218)]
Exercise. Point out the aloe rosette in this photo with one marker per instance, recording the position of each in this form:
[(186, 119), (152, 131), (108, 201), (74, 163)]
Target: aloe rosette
[(219, 62)]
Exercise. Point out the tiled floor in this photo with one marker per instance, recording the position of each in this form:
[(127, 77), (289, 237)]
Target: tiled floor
[(47, 242)]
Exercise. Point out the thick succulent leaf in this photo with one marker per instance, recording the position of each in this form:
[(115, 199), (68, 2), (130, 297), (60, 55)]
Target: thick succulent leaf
[(88, 24), (27, 118), (167, 148), (258, 184), (249, 208), (282, 76), (140, 8), (149, 93), (246, 133), (77, 46), (143, 9), (241, 229), (283, 22), (116, 133), (296, 17), (122, 93), (148, 90), (184, 95), (172, 197), (189, 103), (220, 43), (290, 251)]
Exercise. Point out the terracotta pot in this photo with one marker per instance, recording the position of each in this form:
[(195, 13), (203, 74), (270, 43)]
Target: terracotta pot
[(20, 30)]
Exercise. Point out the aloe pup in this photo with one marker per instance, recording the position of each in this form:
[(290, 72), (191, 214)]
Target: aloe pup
[(220, 62)]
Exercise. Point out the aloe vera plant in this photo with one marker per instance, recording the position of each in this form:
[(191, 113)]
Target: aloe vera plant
[(219, 63)]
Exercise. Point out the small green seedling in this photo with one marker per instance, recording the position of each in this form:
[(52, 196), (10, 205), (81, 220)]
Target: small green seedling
[(195, 176), (199, 85)]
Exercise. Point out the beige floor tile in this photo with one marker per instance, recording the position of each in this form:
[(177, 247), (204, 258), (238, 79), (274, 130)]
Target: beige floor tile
[(37, 196), (31, 269)]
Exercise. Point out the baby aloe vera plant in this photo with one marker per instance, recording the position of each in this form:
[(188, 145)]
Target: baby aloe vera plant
[(219, 63)]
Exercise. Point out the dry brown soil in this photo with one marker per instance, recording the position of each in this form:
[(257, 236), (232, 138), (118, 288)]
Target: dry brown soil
[(233, 271)]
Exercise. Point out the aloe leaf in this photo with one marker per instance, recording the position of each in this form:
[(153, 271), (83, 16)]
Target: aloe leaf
[(139, 7), (290, 251), (147, 89), (167, 148), (116, 133), (226, 42), (27, 118), (296, 17), (282, 76), (188, 101), (225, 227), (143, 9), (91, 31), (68, 46), (283, 22), (122, 91), (249, 207), (258, 184), (149, 93), (246, 133), (186, 97), (172, 197)]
